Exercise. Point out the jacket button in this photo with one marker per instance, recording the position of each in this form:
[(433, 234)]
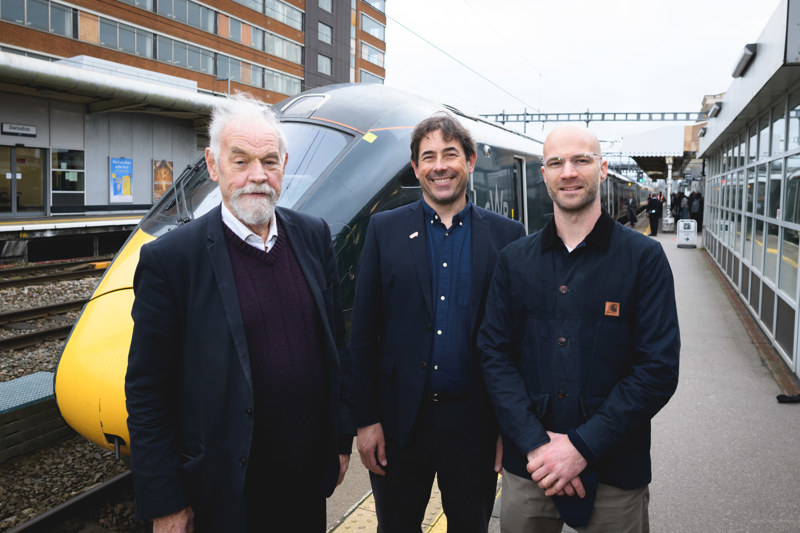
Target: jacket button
[(423, 365), (561, 395), (562, 341), (248, 413), (242, 461), (563, 289)]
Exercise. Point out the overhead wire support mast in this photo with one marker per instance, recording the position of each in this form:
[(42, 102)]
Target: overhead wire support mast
[(587, 117)]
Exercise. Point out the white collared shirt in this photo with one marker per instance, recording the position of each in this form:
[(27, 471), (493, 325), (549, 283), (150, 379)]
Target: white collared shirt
[(247, 235)]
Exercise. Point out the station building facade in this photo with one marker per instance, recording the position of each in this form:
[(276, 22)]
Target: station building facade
[(103, 103), (752, 195)]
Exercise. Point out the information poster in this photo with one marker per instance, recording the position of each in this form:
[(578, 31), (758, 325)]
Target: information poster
[(162, 178), (120, 179)]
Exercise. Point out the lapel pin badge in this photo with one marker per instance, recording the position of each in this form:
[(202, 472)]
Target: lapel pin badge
[(415, 234)]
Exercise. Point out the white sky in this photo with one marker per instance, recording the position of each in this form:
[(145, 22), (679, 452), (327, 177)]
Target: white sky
[(570, 55)]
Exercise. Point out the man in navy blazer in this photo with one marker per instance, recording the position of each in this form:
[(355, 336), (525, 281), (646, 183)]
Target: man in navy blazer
[(421, 406), (238, 381)]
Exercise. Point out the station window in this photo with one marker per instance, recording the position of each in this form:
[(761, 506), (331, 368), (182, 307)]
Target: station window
[(787, 280), (778, 130), (763, 136), (67, 170), (775, 179), (793, 137)]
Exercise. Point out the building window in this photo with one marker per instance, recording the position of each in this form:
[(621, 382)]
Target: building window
[(255, 5), (373, 27), (324, 33), (284, 49), (257, 38), (371, 54), (369, 77), (380, 5), (327, 5), (67, 170), (235, 29), (289, 15), (324, 64), (38, 16)]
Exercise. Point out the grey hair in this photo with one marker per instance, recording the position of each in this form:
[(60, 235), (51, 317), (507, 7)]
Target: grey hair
[(237, 107)]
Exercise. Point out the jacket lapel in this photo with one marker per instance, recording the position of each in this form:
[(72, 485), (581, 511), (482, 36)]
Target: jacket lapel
[(416, 233), (220, 260), (481, 245)]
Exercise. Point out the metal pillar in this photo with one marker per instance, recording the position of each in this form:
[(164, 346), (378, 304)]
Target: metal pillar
[(667, 220)]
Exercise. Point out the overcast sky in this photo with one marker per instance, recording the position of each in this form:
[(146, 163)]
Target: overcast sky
[(569, 55)]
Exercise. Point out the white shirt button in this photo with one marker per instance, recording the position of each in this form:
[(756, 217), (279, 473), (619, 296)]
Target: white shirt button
[(439, 332)]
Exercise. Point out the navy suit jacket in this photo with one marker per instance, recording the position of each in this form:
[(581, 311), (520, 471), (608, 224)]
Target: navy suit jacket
[(391, 333), (188, 386)]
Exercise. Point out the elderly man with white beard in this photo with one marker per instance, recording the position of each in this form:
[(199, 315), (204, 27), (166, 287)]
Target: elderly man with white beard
[(237, 385)]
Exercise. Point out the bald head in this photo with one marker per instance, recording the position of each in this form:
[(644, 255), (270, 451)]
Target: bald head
[(568, 139)]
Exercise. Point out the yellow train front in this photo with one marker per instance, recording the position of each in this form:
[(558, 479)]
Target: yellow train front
[(348, 159)]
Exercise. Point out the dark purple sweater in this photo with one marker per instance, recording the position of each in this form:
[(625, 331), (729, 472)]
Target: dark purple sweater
[(286, 356)]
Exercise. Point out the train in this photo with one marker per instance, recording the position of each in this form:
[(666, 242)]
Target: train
[(349, 157)]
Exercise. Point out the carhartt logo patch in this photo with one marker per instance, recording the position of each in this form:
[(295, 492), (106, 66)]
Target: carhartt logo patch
[(612, 309)]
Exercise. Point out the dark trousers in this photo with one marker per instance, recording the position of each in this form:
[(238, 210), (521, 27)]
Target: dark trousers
[(283, 498), (447, 441), (653, 225)]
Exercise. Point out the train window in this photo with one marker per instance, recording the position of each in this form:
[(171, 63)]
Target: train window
[(791, 193), (312, 149)]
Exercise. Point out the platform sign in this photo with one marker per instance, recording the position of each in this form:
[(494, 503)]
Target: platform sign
[(120, 179), (687, 233)]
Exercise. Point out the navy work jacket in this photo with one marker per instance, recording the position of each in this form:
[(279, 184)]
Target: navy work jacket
[(583, 343)]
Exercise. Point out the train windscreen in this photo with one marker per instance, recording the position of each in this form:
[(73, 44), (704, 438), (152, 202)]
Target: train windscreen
[(312, 149)]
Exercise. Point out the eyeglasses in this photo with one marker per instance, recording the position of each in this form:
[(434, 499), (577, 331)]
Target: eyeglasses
[(578, 161)]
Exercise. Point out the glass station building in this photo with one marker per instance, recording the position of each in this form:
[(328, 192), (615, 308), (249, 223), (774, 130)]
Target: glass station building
[(751, 145)]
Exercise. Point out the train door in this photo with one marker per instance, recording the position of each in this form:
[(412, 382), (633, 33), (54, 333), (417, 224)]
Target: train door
[(22, 180), (498, 183)]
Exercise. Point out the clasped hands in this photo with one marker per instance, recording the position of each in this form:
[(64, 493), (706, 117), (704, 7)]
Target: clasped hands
[(555, 466)]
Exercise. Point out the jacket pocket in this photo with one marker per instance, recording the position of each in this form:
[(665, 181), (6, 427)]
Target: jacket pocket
[(539, 403)]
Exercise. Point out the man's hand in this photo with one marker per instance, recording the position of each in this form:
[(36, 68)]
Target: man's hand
[(372, 448), (555, 466), (498, 455), (344, 462), (178, 522)]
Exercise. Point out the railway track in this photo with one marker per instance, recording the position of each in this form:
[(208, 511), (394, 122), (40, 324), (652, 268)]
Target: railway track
[(79, 512), (21, 277), (35, 337)]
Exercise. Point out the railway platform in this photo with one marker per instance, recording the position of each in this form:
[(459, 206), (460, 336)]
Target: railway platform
[(64, 236), (725, 454)]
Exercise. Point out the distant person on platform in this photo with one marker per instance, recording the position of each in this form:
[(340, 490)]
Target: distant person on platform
[(580, 350), (422, 409), (631, 205), (653, 213), (237, 385)]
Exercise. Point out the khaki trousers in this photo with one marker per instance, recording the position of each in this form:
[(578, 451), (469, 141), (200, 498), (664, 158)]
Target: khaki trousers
[(525, 509)]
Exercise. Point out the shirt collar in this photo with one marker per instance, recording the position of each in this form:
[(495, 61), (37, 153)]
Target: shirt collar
[(600, 235), (460, 218), (246, 234)]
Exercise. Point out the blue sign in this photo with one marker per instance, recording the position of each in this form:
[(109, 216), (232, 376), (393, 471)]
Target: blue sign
[(120, 179)]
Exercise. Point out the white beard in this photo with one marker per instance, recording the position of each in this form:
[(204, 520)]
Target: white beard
[(254, 212)]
